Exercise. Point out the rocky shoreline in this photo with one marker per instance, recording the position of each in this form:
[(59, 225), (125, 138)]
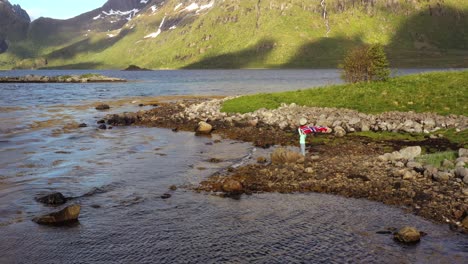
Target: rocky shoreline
[(86, 78), (351, 166)]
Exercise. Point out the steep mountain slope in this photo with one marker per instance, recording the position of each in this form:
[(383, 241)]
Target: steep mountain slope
[(14, 23), (249, 34)]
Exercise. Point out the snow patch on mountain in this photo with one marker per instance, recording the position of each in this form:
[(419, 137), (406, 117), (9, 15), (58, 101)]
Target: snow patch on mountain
[(177, 6), (154, 8), (198, 8), (144, 2), (128, 15), (192, 7), (155, 34)]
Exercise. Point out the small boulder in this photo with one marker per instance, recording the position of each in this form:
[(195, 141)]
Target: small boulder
[(415, 166), (339, 131), (204, 127), (102, 126), (461, 172), (410, 153), (447, 164), (67, 215), (102, 107), (173, 188), (261, 160), (232, 186), (52, 199), (430, 171), (407, 235), (463, 152), (408, 175), (465, 179), (442, 176), (82, 125), (465, 223)]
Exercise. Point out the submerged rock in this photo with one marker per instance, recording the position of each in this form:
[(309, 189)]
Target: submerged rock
[(52, 199), (66, 215), (166, 196), (102, 107), (408, 235)]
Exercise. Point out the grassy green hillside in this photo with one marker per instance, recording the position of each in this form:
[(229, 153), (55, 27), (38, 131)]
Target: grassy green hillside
[(439, 92), (262, 34)]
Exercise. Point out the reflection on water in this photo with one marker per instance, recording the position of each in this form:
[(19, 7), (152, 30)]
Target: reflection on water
[(119, 176)]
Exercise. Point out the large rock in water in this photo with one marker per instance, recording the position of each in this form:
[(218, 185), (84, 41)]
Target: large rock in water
[(204, 127), (67, 215), (408, 235), (52, 199)]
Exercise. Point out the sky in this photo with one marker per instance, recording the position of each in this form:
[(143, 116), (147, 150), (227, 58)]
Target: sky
[(59, 9)]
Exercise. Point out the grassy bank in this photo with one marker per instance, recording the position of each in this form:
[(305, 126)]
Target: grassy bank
[(439, 92)]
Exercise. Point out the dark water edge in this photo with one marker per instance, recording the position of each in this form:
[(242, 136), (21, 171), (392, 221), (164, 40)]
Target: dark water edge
[(126, 170)]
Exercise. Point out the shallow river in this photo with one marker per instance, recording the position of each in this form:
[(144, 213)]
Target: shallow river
[(120, 174)]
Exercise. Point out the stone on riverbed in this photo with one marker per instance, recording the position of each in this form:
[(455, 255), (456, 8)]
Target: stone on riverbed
[(232, 186), (407, 235), (67, 215), (52, 199)]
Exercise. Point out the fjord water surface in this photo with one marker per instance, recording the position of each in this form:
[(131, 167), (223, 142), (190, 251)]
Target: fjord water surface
[(119, 175)]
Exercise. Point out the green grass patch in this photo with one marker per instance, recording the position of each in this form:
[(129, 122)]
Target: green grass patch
[(387, 136), (89, 75), (439, 92), (460, 138), (436, 159)]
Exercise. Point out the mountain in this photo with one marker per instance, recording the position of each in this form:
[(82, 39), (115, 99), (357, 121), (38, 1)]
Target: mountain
[(246, 34), (14, 23)]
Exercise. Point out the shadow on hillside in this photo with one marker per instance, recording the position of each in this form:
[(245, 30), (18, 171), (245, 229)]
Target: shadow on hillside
[(76, 66), (323, 53), (422, 40), (86, 46), (434, 36), (236, 60)]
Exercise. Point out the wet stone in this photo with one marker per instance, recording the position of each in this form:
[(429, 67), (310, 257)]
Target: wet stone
[(52, 199), (166, 196), (407, 235), (82, 125), (102, 126), (67, 215)]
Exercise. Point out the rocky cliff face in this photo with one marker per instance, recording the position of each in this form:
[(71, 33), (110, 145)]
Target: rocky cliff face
[(14, 23)]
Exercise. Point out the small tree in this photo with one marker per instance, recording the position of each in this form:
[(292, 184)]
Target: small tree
[(366, 63)]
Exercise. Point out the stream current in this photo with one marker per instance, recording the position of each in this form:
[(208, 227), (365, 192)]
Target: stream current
[(119, 176)]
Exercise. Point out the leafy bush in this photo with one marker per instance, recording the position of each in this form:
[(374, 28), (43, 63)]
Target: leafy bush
[(366, 63)]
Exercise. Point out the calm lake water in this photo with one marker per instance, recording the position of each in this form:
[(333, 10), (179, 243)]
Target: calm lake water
[(120, 174)]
